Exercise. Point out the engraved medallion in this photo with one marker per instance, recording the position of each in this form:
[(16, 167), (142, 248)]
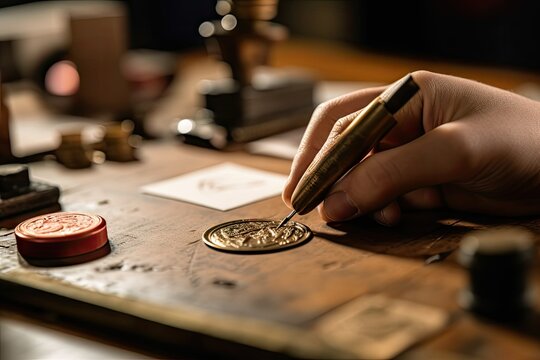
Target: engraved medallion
[(255, 235)]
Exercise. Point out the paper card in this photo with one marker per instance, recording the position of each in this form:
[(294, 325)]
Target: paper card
[(221, 187), (378, 327)]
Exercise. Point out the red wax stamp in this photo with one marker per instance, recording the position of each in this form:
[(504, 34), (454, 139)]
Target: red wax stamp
[(62, 235)]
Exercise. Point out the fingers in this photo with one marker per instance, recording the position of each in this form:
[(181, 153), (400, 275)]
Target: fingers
[(320, 126), (389, 215), (441, 156), (425, 198)]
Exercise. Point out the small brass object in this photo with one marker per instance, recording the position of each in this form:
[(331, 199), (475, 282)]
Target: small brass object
[(118, 142), (73, 153)]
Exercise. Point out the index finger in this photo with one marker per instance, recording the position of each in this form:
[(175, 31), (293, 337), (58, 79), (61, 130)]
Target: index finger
[(320, 125)]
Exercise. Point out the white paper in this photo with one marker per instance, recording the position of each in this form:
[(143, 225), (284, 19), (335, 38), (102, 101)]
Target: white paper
[(222, 187)]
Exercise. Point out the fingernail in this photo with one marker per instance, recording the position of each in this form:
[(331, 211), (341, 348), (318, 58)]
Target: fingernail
[(380, 217), (339, 206)]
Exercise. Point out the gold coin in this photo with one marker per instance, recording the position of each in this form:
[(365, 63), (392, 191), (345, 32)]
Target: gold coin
[(255, 235)]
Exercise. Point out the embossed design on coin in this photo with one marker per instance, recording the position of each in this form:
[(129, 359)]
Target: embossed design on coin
[(61, 223), (248, 235)]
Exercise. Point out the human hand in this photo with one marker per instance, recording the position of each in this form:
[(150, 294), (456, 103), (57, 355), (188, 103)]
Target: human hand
[(457, 143)]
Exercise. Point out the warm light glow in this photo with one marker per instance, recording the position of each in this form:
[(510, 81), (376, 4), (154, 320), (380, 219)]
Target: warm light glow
[(62, 79), (206, 29), (229, 22), (184, 126), (223, 7)]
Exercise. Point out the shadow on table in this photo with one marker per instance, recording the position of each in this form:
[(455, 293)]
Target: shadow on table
[(426, 234)]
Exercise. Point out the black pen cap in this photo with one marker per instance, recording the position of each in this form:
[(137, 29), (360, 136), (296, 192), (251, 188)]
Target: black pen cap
[(399, 93)]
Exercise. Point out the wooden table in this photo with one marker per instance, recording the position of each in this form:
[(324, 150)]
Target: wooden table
[(166, 292)]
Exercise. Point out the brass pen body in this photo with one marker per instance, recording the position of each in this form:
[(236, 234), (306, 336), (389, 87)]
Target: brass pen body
[(350, 147)]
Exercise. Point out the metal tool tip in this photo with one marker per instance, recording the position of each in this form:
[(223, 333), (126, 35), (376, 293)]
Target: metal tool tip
[(286, 219)]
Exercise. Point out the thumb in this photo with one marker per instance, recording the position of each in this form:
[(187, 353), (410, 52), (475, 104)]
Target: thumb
[(440, 156)]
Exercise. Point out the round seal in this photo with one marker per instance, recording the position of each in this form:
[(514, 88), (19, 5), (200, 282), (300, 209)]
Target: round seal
[(60, 235), (255, 235)]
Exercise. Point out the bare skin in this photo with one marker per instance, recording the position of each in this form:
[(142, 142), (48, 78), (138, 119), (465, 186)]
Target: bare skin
[(458, 144)]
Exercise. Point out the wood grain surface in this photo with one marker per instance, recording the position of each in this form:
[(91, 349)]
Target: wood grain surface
[(161, 283)]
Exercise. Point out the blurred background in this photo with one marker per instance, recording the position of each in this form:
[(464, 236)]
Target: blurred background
[(491, 32), (488, 32), (143, 60)]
